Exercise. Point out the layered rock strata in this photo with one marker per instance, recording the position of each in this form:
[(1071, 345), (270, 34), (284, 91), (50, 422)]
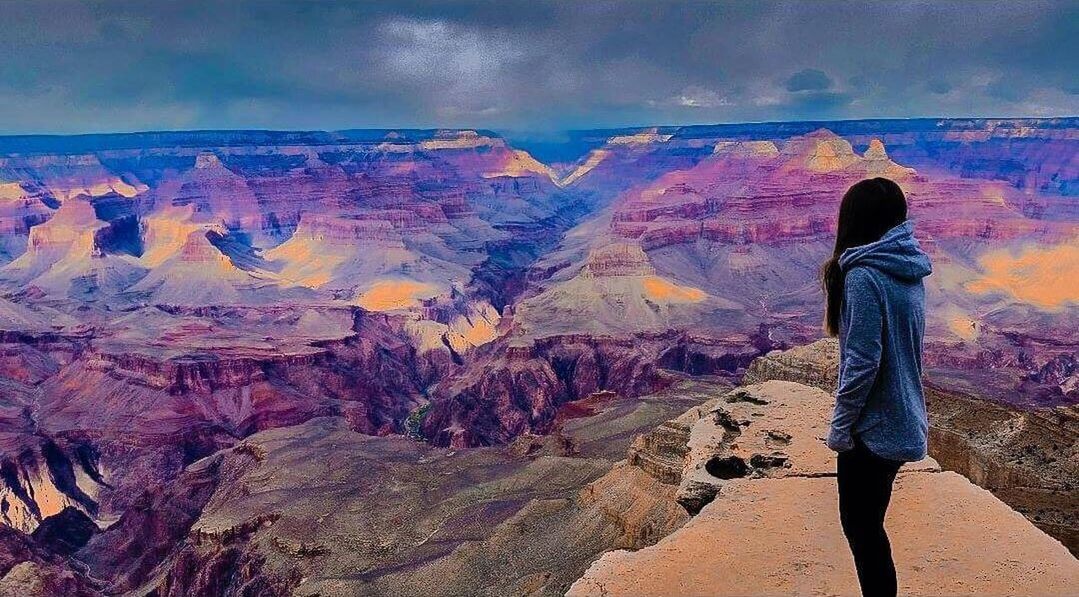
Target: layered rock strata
[(317, 508)]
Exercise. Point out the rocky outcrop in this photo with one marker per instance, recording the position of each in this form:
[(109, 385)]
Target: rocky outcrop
[(40, 481), (37, 565), (661, 452), (760, 476), (819, 151), (1027, 458), (782, 537), (519, 389), (766, 431), (618, 260), (815, 364), (30, 570), (66, 532), (719, 441)]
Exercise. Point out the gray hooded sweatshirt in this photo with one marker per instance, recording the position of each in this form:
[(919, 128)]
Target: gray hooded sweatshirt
[(882, 319)]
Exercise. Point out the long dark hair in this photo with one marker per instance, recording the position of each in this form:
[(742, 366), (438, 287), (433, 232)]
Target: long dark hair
[(869, 209)]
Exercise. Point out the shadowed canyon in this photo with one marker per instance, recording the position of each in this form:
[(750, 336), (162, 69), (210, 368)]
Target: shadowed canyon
[(425, 362)]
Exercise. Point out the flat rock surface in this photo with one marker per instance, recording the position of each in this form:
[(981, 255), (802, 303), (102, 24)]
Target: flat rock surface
[(774, 429), (1028, 457), (782, 537), (778, 419)]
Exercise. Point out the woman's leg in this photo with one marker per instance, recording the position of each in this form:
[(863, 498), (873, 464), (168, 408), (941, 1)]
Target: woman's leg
[(865, 488)]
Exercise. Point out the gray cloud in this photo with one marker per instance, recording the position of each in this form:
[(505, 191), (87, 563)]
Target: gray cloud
[(535, 65), (938, 86), (809, 79)]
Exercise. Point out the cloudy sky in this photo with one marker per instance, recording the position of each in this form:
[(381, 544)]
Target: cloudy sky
[(528, 66)]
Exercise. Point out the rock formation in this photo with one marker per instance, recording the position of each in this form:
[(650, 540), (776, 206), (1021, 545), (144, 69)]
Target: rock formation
[(318, 508), (1026, 457), (190, 320), (713, 249), (520, 387), (23, 205), (758, 472)]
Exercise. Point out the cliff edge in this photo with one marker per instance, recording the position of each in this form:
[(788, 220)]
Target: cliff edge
[(756, 469), (1027, 457)]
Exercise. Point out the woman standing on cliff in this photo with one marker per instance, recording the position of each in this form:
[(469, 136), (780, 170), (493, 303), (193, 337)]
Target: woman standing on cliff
[(876, 305)]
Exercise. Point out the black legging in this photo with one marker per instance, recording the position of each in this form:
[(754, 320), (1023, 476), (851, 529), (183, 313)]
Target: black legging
[(865, 487)]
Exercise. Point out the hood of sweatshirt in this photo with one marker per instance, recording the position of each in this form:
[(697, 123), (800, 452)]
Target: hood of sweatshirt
[(897, 254)]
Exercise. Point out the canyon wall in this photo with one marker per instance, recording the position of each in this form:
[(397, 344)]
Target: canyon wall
[(317, 507), (206, 337)]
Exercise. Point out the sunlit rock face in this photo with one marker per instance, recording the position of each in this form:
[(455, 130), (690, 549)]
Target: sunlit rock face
[(246, 285), (69, 256), (40, 481), (22, 206), (727, 246), (64, 176)]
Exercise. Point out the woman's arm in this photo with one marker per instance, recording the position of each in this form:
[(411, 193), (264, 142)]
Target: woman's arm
[(862, 322)]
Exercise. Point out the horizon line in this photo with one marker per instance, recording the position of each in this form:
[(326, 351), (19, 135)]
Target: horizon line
[(524, 130)]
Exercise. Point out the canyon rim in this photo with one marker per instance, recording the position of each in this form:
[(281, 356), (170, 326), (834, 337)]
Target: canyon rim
[(402, 300)]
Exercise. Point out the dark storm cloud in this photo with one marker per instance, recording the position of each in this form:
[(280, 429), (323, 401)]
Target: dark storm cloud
[(809, 79), (122, 65)]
